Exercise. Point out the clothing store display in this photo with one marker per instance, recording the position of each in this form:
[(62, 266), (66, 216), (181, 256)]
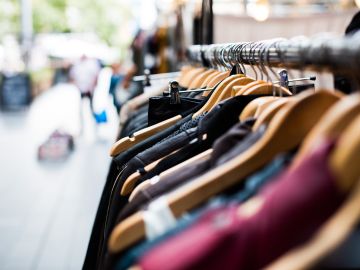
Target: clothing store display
[(215, 174), (209, 125)]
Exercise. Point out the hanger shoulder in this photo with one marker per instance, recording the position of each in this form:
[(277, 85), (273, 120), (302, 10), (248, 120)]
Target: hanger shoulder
[(215, 95), (266, 89), (262, 106), (266, 116), (241, 84), (202, 156), (253, 106), (130, 182), (189, 77), (226, 93), (125, 143), (209, 78), (128, 232), (331, 125), (241, 90), (185, 70), (345, 158), (218, 78), (142, 186), (198, 80)]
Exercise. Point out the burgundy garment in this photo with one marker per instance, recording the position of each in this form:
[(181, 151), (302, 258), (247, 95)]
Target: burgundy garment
[(294, 206)]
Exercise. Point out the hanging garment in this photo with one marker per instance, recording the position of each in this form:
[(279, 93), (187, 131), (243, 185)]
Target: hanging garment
[(286, 213), (249, 189)]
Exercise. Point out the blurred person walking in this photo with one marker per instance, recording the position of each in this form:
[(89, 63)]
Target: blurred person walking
[(84, 74)]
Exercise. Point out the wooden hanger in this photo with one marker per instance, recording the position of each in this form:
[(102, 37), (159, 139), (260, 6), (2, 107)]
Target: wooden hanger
[(184, 72), (332, 124), (241, 90), (130, 182), (202, 156), (127, 142), (142, 186), (218, 78), (262, 107), (190, 76), (216, 93), (285, 131), (209, 78), (266, 116), (266, 89), (226, 93), (331, 235), (252, 107), (199, 80), (345, 158)]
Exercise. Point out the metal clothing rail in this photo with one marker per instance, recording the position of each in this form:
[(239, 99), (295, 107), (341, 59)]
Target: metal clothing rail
[(159, 76), (336, 54)]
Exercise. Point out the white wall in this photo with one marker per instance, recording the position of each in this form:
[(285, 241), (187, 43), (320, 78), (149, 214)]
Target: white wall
[(230, 28)]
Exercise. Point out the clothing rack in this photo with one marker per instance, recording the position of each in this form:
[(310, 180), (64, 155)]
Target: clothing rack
[(336, 54)]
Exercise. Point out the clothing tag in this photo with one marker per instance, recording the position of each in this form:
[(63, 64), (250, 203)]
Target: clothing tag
[(158, 218)]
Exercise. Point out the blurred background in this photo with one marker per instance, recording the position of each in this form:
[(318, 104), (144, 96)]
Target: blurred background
[(66, 68)]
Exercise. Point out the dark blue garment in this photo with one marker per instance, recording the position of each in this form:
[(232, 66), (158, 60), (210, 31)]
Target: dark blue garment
[(252, 185), (114, 82)]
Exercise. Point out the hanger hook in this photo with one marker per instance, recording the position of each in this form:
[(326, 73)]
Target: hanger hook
[(248, 58), (267, 58), (238, 56), (256, 52), (262, 51)]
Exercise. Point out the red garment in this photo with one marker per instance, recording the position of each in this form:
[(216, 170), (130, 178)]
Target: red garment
[(294, 206)]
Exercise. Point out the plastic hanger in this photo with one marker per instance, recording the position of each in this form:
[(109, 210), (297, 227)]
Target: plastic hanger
[(202, 156), (285, 131)]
